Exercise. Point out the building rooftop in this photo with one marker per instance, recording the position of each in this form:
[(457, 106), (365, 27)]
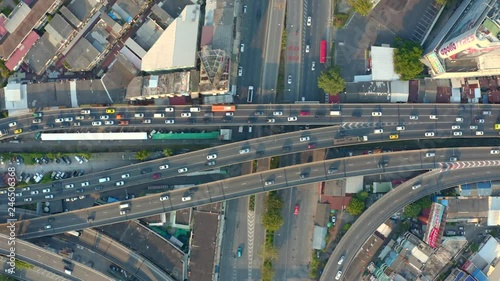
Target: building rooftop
[(382, 61), (467, 208), (81, 9), (203, 244), (21, 52), (118, 77), (322, 216), (161, 17), (18, 16), (168, 85), (126, 9), (69, 16), (176, 47), (99, 37), (369, 92), (147, 35), (82, 55), (59, 28)]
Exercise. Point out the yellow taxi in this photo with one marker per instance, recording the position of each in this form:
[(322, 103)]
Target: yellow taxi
[(497, 126), (394, 137), (18, 131), (110, 110)]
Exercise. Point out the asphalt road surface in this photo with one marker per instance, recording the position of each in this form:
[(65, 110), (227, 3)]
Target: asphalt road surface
[(255, 183), (295, 24), (392, 202)]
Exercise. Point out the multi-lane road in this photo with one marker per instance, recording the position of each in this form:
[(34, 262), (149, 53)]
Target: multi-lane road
[(394, 201), (252, 184)]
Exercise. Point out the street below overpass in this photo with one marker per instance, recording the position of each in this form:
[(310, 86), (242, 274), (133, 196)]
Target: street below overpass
[(236, 187)]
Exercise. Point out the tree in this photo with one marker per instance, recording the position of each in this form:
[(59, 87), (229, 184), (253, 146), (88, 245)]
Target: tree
[(267, 273), (441, 2), (142, 155), (23, 265), (363, 195), (425, 202), (407, 59), (168, 152), (346, 227), (355, 207), (4, 71), (412, 210), (269, 253), (272, 221), (331, 81), (362, 7)]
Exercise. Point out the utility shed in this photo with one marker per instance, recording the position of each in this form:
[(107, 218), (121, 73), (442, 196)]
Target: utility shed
[(319, 242), (382, 59)]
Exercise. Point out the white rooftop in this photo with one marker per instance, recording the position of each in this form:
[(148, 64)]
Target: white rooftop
[(383, 64)]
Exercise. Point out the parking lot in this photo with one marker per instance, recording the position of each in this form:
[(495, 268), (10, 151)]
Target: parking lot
[(408, 19)]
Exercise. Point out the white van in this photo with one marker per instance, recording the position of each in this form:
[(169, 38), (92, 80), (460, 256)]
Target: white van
[(335, 113), (240, 129), (159, 115), (139, 115), (250, 129), (101, 180), (124, 205), (195, 109), (378, 131)]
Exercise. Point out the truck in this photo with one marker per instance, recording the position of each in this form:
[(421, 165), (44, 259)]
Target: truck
[(322, 52), (350, 140), (223, 108), (74, 233)]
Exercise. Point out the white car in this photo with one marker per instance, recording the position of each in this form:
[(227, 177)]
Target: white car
[(339, 274), (27, 199), (430, 154), (47, 190), (313, 65), (341, 260), (124, 176), (245, 150), (34, 192), (109, 122), (169, 121), (434, 117), (292, 118), (85, 111), (69, 185), (271, 120), (269, 182), (494, 151), (378, 131), (104, 117), (164, 197), (26, 188), (80, 117), (457, 133), (163, 167), (146, 121), (96, 123), (289, 79), (211, 156), (229, 114), (473, 127), (119, 183), (85, 184), (186, 198), (240, 71), (12, 124), (50, 196), (68, 119), (186, 114), (376, 113), (182, 170), (413, 117), (307, 138), (400, 128), (429, 134), (479, 133), (59, 120), (459, 119), (309, 20), (416, 186), (307, 48), (169, 109), (278, 113), (37, 120), (455, 127)]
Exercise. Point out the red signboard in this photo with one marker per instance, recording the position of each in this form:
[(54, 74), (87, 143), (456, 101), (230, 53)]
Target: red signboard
[(322, 52), (433, 236)]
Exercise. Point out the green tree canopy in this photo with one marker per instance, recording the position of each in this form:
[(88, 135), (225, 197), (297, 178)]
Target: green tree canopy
[(363, 195), (412, 210), (346, 227), (142, 155), (407, 59), (168, 152), (362, 7), (23, 265), (331, 81), (355, 207)]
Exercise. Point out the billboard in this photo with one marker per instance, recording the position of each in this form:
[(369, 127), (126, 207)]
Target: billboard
[(435, 217)]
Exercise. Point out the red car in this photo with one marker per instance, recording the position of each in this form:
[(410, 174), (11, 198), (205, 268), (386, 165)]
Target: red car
[(311, 145), (296, 209), (156, 176), (305, 113)]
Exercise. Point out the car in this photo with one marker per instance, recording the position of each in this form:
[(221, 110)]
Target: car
[(459, 119), (164, 197), (186, 198), (334, 219), (289, 79), (455, 127), (479, 133), (239, 252), (271, 120), (26, 188), (304, 175), (169, 121), (400, 128), (378, 131), (146, 121), (240, 70), (85, 111), (12, 124), (77, 124), (306, 138), (229, 113), (258, 113), (69, 185), (309, 20), (80, 117), (28, 199), (486, 112), (434, 117), (120, 183), (307, 48), (394, 137), (268, 182), (305, 113), (430, 154), (339, 274), (292, 118), (413, 117), (473, 127), (210, 163), (120, 116), (48, 226), (68, 119), (211, 156), (242, 47), (18, 131), (186, 114), (341, 260), (416, 186), (453, 158), (244, 150), (277, 113), (47, 190), (146, 170), (36, 121), (109, 122), (85, 184), (497, 126), (34, 192), (110, 110), (37, 114), (104, 117), (429, 134), (457, 133), (311, 145), (80, 190), (169, 109), (96, 123), (164, 167), (156, 176), (182, 170), (494, 151), (124, 176), (376, 113), (59, 120), (313, 65), (296, 209), (50, 196), (479, 120)]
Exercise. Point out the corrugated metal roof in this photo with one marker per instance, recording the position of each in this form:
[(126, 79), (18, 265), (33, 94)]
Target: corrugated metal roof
[(20, 52)]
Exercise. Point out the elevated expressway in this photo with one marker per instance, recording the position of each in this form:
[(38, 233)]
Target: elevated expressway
[(255, 183)]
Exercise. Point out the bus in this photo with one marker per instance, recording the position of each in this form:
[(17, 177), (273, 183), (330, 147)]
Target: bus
[(74, 233), (250, 94), (322, 52), (223, 108)]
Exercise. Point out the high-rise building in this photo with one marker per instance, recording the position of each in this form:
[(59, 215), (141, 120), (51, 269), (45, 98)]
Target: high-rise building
[(469, 44)]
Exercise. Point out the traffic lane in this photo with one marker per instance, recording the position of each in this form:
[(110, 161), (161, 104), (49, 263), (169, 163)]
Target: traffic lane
[(365, 225)]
